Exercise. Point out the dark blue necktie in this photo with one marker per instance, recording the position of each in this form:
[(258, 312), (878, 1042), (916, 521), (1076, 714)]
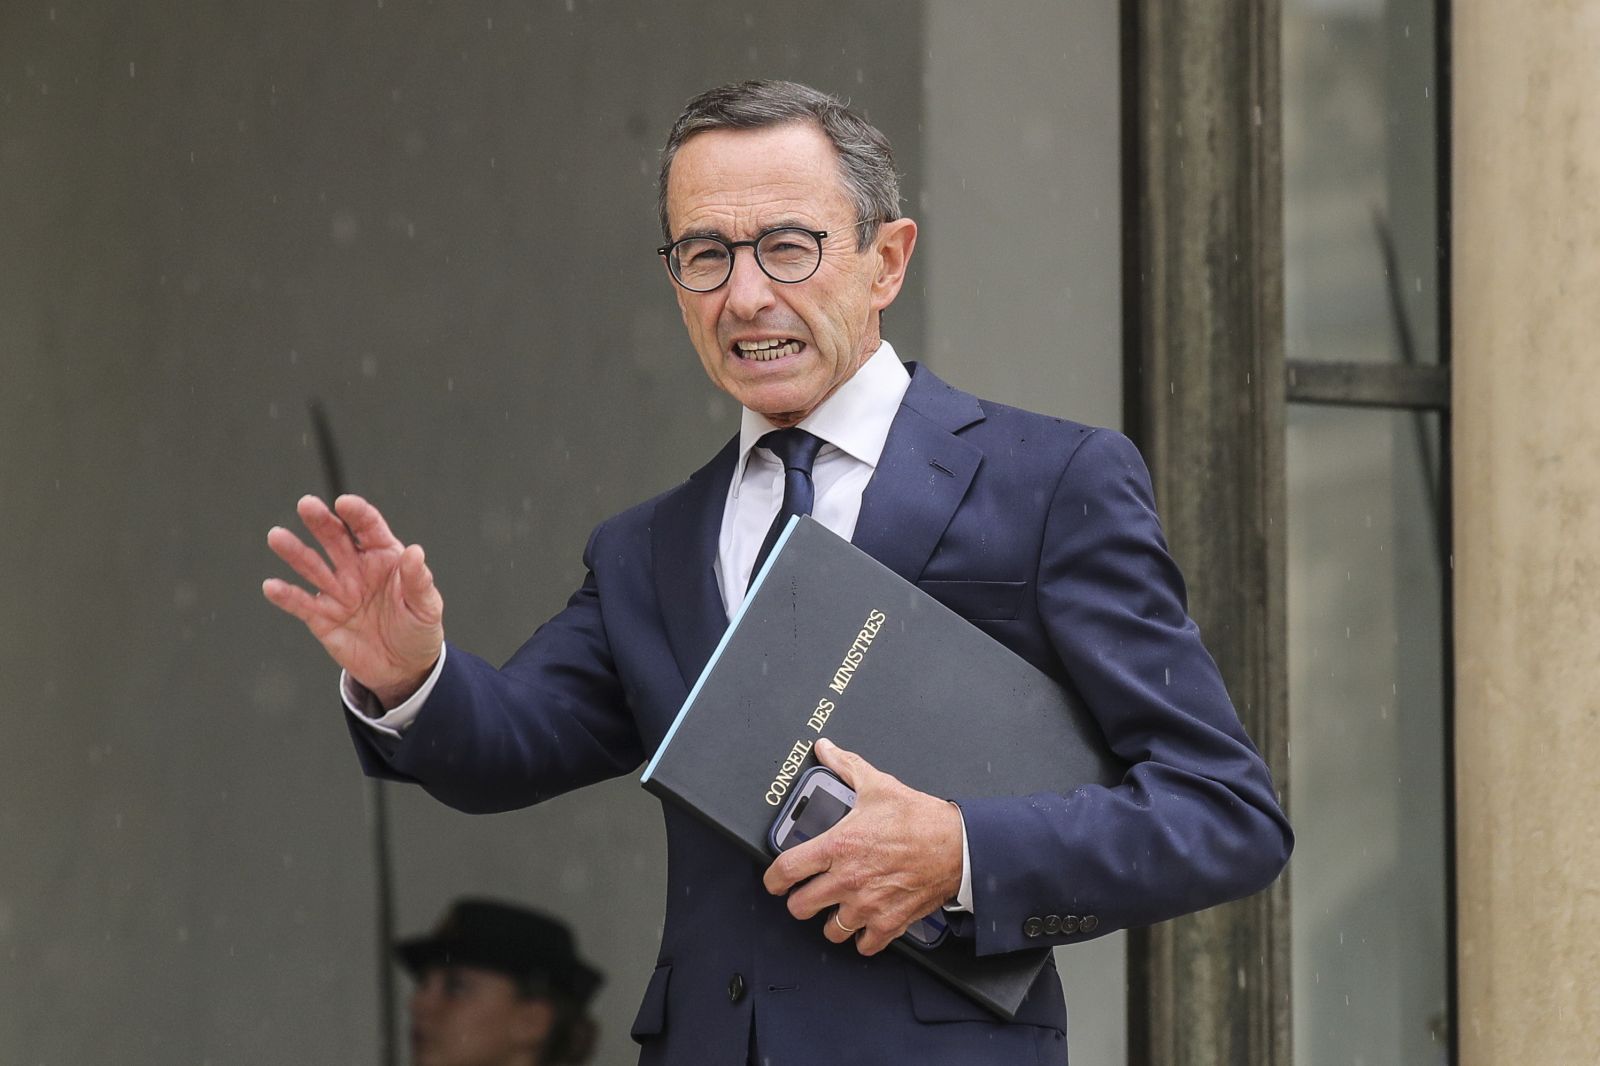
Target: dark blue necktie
[(798, 450)]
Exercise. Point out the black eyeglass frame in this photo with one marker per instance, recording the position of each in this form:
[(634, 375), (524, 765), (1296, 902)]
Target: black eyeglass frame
[(754, 244)]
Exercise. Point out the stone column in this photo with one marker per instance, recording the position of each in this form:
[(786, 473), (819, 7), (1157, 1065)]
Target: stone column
[(1526, 351), (1203, 270)]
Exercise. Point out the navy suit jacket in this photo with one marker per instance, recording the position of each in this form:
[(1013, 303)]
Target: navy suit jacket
[(1043, 533)]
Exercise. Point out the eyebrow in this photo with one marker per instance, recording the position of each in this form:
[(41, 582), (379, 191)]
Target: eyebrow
[(782, 223)]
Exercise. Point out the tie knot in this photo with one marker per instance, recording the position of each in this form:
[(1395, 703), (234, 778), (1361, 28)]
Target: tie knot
[(795, 447)]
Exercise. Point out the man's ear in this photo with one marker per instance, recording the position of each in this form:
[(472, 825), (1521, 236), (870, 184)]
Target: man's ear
[(894, 244)]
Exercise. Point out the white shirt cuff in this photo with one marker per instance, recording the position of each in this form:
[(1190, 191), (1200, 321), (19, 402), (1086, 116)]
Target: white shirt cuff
[(963, 902), (366, 709)]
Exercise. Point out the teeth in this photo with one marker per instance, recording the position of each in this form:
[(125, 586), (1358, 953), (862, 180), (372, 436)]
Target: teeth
[(763, 351)]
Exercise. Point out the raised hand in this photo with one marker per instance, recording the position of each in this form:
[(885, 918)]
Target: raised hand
[(895, 858), (376, 609)]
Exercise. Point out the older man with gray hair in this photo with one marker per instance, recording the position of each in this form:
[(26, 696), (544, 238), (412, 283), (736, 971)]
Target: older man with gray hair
[(784, 244)]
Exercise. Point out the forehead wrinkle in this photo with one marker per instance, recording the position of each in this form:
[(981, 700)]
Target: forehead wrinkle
[(737, 183), (742, 215)]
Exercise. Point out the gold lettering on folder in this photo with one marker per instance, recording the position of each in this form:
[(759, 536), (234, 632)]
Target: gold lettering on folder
[(819, 717), (853, 658), (858, 651), (787, 772)]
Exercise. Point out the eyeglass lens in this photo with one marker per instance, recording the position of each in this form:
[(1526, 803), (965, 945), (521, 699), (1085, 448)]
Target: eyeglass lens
[(787, 255)]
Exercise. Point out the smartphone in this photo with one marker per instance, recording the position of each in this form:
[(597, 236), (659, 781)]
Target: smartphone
[(817, 802)]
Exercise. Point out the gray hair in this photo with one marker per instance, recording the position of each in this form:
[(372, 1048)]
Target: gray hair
[(866, 164)]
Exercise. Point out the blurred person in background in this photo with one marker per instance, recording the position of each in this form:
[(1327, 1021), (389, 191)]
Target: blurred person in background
[(498, 985)]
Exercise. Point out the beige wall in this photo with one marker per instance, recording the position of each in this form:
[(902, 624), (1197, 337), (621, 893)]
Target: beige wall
[(1527, 525)]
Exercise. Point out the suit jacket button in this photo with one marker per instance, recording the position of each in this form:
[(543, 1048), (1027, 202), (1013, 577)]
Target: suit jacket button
[(735, 988), (1052, 924), (1033, 927), (1089, 923), (1071, 924)]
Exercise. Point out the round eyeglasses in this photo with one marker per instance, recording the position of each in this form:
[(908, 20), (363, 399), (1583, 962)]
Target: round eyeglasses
[(789, 254)]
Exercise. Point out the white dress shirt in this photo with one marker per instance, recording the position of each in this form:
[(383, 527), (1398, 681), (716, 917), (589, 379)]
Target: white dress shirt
[(853, 425)]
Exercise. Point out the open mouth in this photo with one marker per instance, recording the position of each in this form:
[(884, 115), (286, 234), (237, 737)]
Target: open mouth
[(767, 350)]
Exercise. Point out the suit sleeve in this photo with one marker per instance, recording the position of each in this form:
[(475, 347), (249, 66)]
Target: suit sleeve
[(552, 719), (1195, 820)]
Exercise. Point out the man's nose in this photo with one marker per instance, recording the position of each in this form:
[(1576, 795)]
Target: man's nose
[(750, 291)]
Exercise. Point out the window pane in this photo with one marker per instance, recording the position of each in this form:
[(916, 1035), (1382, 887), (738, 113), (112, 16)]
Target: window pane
[(1365, 583), (1366, 722), (1360, 172)]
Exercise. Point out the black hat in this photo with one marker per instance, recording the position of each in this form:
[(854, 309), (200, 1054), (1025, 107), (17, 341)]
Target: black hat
[(512, 940)]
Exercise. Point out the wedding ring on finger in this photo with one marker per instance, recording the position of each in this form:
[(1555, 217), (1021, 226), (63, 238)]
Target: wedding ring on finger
[(842, 926)]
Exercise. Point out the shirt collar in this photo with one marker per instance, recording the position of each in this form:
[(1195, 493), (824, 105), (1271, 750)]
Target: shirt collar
[(855, 419)]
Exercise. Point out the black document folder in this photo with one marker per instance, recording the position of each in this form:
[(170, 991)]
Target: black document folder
[(829, 642)]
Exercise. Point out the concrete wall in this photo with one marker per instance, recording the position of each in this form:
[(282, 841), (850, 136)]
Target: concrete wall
[(440, 221), (1024, 269), (1527, 528), (1021, 260)]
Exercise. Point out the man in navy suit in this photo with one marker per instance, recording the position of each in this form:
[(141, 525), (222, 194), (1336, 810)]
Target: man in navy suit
[(784, 245)]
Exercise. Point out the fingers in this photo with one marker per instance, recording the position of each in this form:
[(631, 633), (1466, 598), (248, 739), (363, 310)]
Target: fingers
[(870, 941), (366, 522), (302, 559), (870, 934), (419, 594), (292, 599), (897, 855), (826, 893), (352, 537), (795, 865), (330, 532), (816, 895), (815, 856), (840, 928), (852, 769)]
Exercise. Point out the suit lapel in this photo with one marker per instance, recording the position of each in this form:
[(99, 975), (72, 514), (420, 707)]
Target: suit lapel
[(921, 477), (920, 480), (683, 543)]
